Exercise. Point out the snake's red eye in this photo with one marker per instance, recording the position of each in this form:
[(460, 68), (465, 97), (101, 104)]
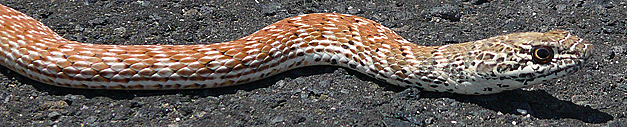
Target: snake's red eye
[(542, 55)]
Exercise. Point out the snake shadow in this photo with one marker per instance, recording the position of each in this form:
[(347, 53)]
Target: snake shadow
[(537, 103)]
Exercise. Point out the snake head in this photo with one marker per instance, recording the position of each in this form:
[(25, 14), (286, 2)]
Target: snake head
[(551, 55), (520, 59)]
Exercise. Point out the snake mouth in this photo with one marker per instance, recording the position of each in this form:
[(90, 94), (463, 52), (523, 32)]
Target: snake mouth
[(536, 78)]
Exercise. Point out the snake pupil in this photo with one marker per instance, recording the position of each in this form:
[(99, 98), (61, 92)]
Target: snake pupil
[(542, 55)]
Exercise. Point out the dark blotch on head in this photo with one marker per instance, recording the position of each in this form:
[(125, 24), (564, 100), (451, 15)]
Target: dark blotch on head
[(487, 89)]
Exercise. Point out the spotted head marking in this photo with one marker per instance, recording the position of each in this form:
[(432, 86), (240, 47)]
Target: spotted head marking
[(516, 60)]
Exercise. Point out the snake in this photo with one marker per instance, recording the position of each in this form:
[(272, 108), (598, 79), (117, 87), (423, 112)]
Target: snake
[(492, 65)]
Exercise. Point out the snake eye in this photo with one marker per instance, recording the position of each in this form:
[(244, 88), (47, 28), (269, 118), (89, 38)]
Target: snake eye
[(542, 55)]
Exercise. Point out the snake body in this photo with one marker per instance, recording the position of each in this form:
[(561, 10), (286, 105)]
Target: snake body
[(485, 66)]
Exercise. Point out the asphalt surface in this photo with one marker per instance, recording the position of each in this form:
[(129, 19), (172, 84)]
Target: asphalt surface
[(323, 95)]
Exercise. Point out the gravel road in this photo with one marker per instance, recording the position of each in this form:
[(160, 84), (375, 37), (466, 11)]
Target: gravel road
[(324, 95)]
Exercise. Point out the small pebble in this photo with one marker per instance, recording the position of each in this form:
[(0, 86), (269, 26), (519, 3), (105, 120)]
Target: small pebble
[(277, 119), (522, 111)]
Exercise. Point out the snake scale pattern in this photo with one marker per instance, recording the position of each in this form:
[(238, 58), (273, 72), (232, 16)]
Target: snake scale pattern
[(485, 66)]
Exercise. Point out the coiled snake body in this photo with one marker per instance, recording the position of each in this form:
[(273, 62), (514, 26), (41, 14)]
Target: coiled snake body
[(485, 66)]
